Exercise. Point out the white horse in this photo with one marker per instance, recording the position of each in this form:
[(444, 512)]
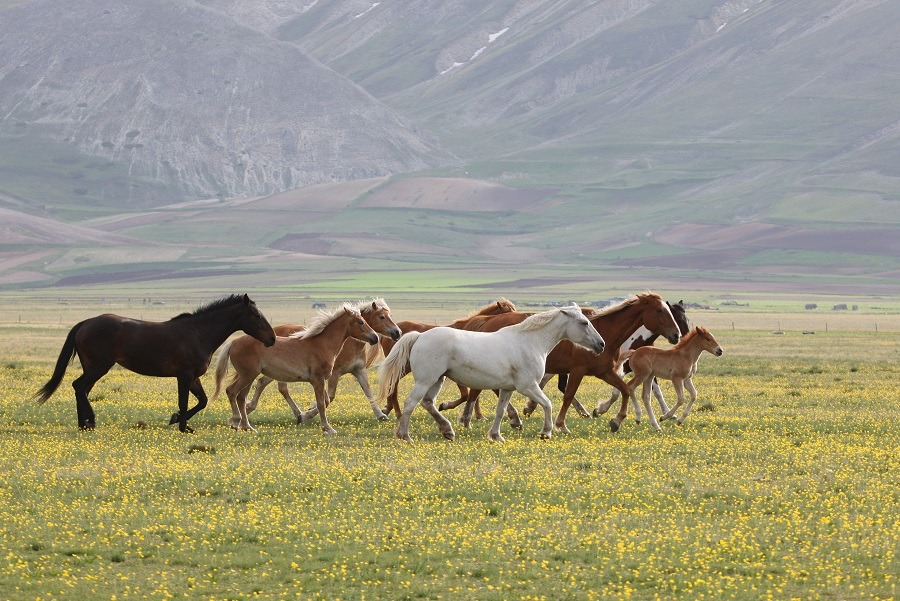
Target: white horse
[(509, 359)]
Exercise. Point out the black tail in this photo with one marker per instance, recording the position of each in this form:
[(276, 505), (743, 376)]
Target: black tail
[(65, 357)]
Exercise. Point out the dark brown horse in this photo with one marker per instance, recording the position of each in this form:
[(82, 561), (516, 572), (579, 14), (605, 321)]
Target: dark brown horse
[(180, 348), (615, 324), (497, 307)]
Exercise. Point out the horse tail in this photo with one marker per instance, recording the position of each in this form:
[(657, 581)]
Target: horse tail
[(394, 365), (623, 358), (221, 368), (66, 355)]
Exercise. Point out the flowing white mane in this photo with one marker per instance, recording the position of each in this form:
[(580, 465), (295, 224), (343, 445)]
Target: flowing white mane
[(323, 319), (539, 320)]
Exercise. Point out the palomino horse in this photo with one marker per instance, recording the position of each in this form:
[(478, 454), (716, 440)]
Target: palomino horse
[(615, 324), (355, 358), (510, 359), (306, 356), (180, 348), (497, 307), (642, 337), (678, 364)]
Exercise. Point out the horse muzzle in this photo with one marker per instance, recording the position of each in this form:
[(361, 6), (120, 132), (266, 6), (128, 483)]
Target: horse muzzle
[(674, 338), (396, 334), (269, 341), (372, 338), (720, 351), (598, 347)]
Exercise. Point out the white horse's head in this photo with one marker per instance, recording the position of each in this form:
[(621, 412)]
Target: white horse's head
[(581, 331)]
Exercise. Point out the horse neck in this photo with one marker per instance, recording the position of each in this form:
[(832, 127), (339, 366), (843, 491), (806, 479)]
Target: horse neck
[(333, 336), (693, 349), (217, 326), (617, 327), (547, 337)]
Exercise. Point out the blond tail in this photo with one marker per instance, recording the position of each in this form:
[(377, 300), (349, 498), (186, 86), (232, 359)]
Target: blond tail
[(221, 368), (394, 365)]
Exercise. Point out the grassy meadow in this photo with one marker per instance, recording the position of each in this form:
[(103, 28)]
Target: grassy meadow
[(783, 483)]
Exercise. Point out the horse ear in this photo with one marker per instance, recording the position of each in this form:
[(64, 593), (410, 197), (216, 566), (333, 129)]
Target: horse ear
[(247, 300), (681, 303), (374, 306)]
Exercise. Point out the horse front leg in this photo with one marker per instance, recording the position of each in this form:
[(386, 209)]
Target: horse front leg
[(466, 417), (196, 389), (575, 378), (362, 376), (657, 392), (321, 404), (626, 392), (679, 395)]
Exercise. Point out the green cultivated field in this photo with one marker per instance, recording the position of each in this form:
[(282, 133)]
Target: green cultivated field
[(783, 483)]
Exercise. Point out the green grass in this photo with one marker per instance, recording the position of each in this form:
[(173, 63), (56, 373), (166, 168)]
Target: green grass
[(781, 483)]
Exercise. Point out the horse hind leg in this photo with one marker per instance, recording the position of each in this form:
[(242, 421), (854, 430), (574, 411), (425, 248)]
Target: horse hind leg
[(82, 386), (657, 392), (502, 402), (362, 377), (444, 425)]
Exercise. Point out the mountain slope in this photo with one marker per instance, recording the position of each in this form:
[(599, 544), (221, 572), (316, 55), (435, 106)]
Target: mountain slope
[(182, 94)]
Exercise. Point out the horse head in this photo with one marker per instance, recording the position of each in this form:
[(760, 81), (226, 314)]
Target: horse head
[(708, 341), (378, 316), (253, 322), (680, 315), (581, 331), (658, 318)]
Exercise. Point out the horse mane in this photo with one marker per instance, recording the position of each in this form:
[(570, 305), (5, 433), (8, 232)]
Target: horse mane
[(500, 301), (365, 307), (538, 320), (693, 333), (215, 305), (323, 320), (628, 302)]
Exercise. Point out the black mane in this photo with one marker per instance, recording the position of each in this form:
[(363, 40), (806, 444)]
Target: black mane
[(215, 305)]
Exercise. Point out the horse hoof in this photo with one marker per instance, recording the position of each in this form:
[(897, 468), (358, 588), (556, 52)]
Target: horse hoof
[(329, 431), (86, 427), (516, 426), (187, 429), (383, 418), (174, 419), (563, 429), (299, 419), (442, 407), (496, 437), (614, 425), (596, 413), (449, 435), (545, 435)]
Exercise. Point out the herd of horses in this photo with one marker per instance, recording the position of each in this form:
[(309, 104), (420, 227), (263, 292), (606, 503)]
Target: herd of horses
[(495, 348)]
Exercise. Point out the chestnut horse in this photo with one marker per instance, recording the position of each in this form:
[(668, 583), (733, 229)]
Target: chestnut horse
[(643, 337), (307, 356), (355, 358), (615, 324), (180, 348), (678, 364), (497, 307)]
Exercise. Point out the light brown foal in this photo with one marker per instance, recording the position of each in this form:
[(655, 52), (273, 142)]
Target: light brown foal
[(307, 356), (678, 364), (355, 358)]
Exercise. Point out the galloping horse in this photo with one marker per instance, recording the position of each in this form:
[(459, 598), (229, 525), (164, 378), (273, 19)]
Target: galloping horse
[(497, 307), (642, 337), (181, 348), (510, 359), (678, 364), (307, 356), (355, 358), (615, 324)]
